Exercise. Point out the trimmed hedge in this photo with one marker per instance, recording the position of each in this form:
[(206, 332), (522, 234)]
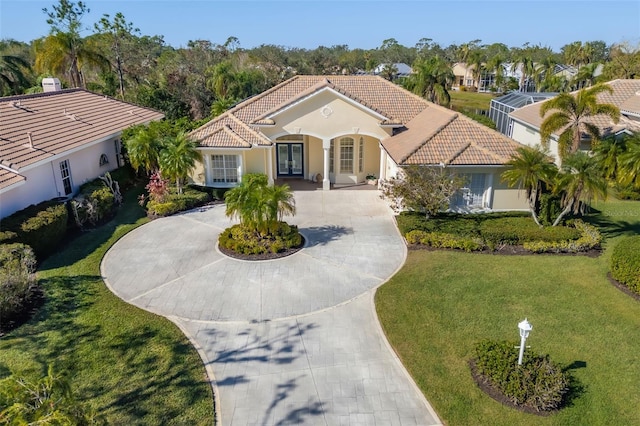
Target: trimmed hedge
[(280, 236), (450, 223), (517, 230), (538, 383), (590, 238), (440, 240), (42, 226), (625, 263), (18, 285), (175, 203)]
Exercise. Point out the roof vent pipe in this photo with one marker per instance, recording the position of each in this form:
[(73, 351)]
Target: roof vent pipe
[(30, 139)]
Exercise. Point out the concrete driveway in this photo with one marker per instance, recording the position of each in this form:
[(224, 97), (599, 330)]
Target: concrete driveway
[(288, 341)]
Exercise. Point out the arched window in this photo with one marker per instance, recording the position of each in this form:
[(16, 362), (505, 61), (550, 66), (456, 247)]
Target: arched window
[(346, 155)]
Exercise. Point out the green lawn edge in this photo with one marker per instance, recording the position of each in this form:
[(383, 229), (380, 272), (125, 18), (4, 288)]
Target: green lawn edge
[(441, 303), (127, 365)]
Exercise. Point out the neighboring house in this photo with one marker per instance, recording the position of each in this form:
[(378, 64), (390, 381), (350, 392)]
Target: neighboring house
[(343, 128), (51, 143), (464, 77), (402, 69), (502, 106), (626, 96)]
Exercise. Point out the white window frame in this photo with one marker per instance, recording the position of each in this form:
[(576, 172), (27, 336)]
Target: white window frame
[(361, 155), (227, 178), (332, 156), (65, 175), (347, 155)]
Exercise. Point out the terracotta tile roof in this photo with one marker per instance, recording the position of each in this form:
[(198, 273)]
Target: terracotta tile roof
[(441, 136), (433, 134), (626, 96), (59, 122), (397, 105), (8, 178)]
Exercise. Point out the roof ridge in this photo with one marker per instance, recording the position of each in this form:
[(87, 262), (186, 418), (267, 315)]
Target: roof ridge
[(254, 98), (41, 94), (249, 128), (426, 140), (420, 98), (459, 152), (228, 130), (488, 151)]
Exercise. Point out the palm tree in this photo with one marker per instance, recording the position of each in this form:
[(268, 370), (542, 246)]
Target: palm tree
[(579, 182), (607, 154), (585, 75), (629, 162), (280, 202), (177, 157), (476, 61), (529, 169), (64, 54), (430, 79), (143, 150), (246, 201), (571, 117), (496, 64), (221, 105), (12, 74)]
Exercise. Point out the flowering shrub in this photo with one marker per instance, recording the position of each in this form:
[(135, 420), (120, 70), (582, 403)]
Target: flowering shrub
[(158, 189)]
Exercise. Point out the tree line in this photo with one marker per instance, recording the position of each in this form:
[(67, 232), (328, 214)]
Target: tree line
[(205, 78)]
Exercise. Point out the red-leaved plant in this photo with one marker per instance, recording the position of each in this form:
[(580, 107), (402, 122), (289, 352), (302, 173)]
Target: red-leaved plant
[(158, 189)]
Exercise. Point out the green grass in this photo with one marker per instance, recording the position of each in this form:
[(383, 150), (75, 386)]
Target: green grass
[(441, 303), (127, 365), (470, 100)]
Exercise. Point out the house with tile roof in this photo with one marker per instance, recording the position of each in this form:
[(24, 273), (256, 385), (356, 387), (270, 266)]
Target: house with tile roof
[(341, 129), (53, 142), (626, 96)]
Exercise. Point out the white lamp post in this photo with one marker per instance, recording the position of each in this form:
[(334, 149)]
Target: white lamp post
[(525, 329)]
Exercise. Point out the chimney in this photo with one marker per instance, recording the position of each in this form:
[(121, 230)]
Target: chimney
[(51, 85)]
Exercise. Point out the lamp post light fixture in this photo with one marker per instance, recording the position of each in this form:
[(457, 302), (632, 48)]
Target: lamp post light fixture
[(525, 328)]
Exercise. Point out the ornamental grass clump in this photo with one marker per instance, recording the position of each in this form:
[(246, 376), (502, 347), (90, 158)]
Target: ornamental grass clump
[(538, 384)]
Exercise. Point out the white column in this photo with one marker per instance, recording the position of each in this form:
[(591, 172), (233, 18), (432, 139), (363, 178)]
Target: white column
[(489, 198), (207, 168), (383, 164), (326, 184), (269, 152)]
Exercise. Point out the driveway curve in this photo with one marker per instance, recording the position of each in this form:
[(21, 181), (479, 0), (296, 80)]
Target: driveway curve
[(289, 341)]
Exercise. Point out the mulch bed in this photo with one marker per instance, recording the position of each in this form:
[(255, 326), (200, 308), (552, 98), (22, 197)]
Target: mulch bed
[(508, 250), (262, 256), (486, 387), (623, 288)]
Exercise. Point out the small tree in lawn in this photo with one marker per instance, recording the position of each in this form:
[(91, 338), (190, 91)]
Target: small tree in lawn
[(580, 180), (425, 189)]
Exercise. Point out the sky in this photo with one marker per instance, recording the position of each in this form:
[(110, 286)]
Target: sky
[(362, 24)]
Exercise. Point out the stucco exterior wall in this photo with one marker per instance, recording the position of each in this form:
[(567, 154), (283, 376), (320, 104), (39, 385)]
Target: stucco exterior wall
[(326, 115), (44, 181), (505, 198), (531, 137)]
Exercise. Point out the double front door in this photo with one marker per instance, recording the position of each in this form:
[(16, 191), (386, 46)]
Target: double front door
[(290, 159)]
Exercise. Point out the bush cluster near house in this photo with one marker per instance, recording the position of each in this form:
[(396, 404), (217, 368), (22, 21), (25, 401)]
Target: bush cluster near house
[(625, 263), (41, 226), (494, 230), (538, 383)]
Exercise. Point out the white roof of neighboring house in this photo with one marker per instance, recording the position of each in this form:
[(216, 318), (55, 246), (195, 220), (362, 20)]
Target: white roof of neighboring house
[(403, 69), (430, 134), (39, 126), (626, 96)]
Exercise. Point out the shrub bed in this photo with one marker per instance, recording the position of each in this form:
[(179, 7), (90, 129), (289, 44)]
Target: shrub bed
[(18, 286), (41, 226), (590, 238), (242, 240), (441, 240), (517, 230), (538, 383), (174, 203), (625, 263), (450, 223)]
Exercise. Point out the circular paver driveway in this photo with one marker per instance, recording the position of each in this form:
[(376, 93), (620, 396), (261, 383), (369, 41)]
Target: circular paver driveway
[(171, 266)]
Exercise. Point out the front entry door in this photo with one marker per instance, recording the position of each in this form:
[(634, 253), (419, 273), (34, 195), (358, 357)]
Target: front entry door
[(290, 159)]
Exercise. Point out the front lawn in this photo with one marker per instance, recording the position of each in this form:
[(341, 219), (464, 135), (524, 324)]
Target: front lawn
[(127, 365), (470, 100), (441, 303)]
